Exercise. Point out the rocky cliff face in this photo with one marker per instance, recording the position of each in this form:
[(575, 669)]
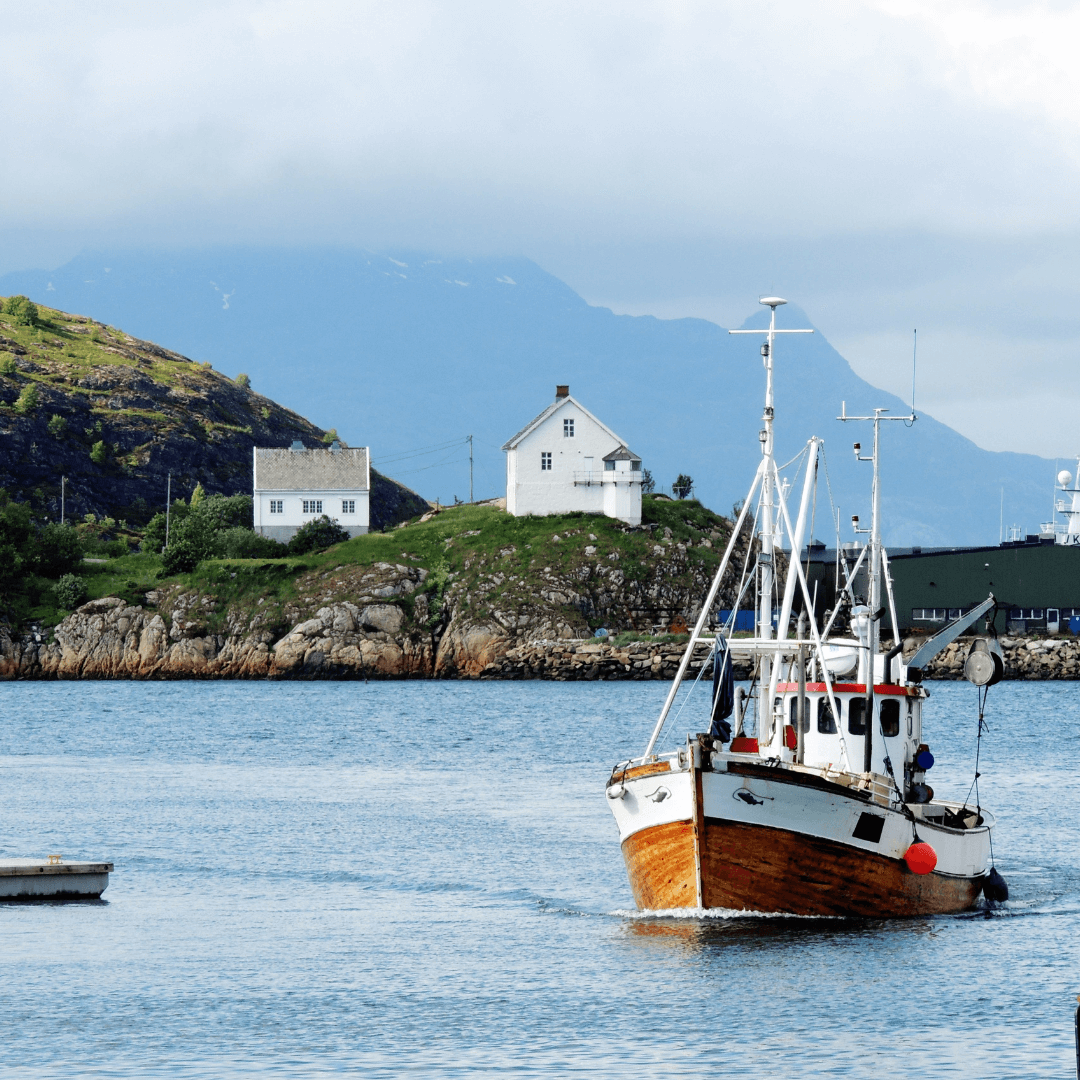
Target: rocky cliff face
[(391, 629)]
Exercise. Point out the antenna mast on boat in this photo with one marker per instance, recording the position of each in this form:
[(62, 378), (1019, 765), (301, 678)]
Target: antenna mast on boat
[(876, 610), (768, 506)]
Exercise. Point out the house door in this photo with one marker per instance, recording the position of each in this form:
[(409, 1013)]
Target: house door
[(589, 467), (1053, 620)]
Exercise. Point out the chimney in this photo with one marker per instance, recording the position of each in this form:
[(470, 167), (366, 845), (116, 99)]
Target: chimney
[(561, 391)]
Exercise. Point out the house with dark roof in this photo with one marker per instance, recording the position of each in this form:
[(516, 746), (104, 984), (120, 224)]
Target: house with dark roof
[(566, 459), (295, 485)]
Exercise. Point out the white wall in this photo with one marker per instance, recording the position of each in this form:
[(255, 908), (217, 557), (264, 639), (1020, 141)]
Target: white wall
[(284, 525), (531, 490)]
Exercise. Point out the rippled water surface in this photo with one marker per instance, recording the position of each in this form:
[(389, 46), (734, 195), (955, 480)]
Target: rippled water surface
[(423, 878)]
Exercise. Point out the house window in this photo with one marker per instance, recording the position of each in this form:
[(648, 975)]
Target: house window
[(609, 466), (635, 466), (277, 506), (568, 429), (312, 506), (348, 506), (545, 461)]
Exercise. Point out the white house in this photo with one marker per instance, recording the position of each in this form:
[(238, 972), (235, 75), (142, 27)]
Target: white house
[(568, 460), (296, 485)]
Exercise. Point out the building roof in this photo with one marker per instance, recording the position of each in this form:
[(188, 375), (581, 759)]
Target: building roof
[(553, 408), (622, 454), (343, 469)]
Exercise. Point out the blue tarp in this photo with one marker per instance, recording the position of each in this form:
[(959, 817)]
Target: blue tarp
[(744, 620)]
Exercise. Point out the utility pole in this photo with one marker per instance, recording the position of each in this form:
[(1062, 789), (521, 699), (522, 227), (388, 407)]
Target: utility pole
[(470, 470), (168, 507), (63, 483)]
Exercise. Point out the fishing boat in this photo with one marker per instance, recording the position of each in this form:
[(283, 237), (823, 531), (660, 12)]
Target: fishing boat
[(808, 795)]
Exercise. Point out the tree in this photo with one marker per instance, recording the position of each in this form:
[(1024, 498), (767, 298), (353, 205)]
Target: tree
[(16, 531), (648, 484), (197, 495), (57, 426), (58, 551), (317, 535), (8, 366), (189, 544), (29, 399), (98, 453), (682, 487), (243, 380), (22, 310)]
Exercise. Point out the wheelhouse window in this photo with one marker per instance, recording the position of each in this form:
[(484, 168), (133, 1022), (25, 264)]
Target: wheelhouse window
[(826, 722), (312, 506), (277, 506), (348, 506), (794, 713), (856, 716), (545, 461), (568, 429), (890, 717)]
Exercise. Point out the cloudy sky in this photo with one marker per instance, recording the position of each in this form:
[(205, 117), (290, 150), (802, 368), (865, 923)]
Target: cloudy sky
[(888, 164)]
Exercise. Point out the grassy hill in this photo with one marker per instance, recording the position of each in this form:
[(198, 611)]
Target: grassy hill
[(116, 415), (526, 575)]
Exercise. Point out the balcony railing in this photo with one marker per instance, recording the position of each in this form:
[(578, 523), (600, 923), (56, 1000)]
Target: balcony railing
[(606, 476)]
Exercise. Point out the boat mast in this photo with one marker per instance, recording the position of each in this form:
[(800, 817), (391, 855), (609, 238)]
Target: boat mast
[(768, 506), (876, 611)]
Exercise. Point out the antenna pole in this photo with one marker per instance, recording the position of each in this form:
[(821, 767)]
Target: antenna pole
[(767, 507), (914, 353), (1001, 518), (63, 484), (470, 470), (168, 507)]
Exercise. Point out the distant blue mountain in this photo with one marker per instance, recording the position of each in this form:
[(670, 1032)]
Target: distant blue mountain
[(411, 352)]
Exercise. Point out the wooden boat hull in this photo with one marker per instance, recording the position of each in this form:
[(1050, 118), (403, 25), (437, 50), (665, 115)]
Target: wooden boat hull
[(755, 868), (744, 835)]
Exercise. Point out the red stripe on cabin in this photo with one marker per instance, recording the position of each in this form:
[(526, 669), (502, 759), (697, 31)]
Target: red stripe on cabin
[(847, 688)]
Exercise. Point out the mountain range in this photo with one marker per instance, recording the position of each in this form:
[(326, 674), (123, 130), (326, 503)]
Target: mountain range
[(410, 353)]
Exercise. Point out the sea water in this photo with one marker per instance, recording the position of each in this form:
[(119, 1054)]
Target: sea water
[(423, 878)]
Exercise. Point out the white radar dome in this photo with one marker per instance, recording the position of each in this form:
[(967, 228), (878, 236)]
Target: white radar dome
[(1064, 478)]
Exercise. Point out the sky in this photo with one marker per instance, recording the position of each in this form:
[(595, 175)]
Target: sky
[(886, 164)]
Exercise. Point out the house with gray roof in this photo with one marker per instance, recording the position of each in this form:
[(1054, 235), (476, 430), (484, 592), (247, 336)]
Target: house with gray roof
[(566, 459), (295, 485)]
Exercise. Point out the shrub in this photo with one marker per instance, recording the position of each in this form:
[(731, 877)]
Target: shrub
[(241, 543), (29, 399), (317, 535), (8, 366), (70, 591), (22, 310), (59, 550), (57, 426), (265, 412), (98, 453), (331, 436), (243, 380)]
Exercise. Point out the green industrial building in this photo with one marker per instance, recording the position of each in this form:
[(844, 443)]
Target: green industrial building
[(1036, 583)]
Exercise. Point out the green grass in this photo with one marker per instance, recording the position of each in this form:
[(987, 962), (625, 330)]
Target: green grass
[(470, 544)]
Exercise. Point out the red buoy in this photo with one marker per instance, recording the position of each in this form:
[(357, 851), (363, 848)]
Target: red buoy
[(921, 858)]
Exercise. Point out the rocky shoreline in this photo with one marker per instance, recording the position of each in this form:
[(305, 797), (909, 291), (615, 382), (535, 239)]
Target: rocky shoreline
[(111, 639)]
